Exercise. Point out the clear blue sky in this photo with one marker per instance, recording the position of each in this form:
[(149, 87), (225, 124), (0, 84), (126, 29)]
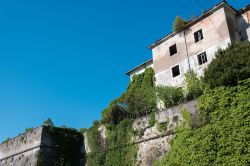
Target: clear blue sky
[(67, 59)]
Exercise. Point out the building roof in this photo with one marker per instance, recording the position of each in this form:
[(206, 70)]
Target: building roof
[(189, 24), (244, 9), (141, 66), (192, 22)]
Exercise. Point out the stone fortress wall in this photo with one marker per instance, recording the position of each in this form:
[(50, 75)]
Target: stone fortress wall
[(153, 144), (21, 150)]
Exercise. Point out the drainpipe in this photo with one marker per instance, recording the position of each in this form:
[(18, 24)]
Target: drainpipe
[(247, 18), (187, 50)]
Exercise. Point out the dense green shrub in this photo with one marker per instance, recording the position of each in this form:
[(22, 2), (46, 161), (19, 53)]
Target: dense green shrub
[(230, 66), (48, 122), (171, 96), (138, 100), (179, 24), (223, 138), (141, 103), (193, 85), (186, 116), (113, 114), (120, 149), (161, 127), (67, 146), (152, 120), (82, 130), (96, 156)]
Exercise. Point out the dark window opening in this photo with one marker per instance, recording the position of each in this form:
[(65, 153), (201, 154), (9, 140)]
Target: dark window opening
[(173, 50), (175, 71), (202, 58), (198, 36)]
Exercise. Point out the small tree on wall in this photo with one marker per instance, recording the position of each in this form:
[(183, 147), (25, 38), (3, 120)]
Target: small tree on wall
[(179, 24), (48, 122)]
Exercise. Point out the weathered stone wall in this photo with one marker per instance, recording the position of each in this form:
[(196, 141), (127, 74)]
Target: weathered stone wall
[(28, 148), (153, 144), (21, 150)]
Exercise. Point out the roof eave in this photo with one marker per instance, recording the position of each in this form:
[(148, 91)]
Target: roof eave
[(190, 23), (140, 66)]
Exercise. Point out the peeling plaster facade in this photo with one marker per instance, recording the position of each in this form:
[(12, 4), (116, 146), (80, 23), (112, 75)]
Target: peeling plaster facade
[(220, 26)]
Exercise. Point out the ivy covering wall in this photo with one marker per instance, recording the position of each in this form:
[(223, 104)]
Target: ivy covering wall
[(220, 135), (138, 100), (118, 150), (65, 147)]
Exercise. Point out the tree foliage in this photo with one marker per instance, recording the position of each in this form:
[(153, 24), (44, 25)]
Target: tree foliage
[(171, 96), (67, 143), (96, 157), (179, 24), (152, 120), (230, 66), (48, 122), (120, 149), (193, 85), (223, 138), (138, 100)]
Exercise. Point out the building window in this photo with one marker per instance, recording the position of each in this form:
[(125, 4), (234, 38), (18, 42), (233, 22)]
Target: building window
[(198, 36), (202, 58), (175, 71), (173, 50)]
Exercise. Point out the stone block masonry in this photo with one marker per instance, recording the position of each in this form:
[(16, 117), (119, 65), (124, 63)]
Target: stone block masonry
[(153, 142), (42, 145), (21, 150)]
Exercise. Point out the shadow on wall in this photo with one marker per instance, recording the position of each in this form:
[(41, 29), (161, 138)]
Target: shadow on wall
[(243, 31)]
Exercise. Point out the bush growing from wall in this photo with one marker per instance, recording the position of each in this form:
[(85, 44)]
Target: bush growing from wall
[(138, 100), (96, 157), (179, 24), (193, 85), (48, 122), (230, 66), (151, 120), (171, 96), (161, 127), (223, 139), (120, 149), (140, 97)]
